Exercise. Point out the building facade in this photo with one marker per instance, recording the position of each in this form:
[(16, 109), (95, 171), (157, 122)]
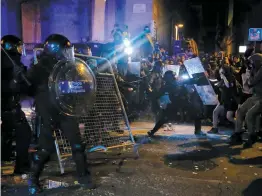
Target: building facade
[(34, 20), (251, 20)]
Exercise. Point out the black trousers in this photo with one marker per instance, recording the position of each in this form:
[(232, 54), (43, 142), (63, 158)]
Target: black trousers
[(15, 127), (167, 116), (70, 128), (195, 108)]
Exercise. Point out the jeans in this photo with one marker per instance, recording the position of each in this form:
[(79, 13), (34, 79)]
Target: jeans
[(252, 116), (218, 112), (243, 111)]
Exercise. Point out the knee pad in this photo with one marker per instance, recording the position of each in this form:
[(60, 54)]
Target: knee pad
[(78, 148)]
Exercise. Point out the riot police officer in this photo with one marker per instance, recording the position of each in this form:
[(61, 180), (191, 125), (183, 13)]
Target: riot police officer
[(195, 105), (56, 47), (170, 96), (13, 118)]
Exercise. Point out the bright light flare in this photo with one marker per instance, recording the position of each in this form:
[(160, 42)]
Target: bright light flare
[(126, 42), (185, 77), (129, 50)]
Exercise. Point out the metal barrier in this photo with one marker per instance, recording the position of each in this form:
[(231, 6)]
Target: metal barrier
[(106, 126)]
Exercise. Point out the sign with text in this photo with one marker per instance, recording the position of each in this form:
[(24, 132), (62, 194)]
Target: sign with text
[(139, 8), (174, 68), (255, 34)]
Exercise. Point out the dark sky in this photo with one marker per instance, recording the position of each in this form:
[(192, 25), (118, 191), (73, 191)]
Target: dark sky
[(211, 11)]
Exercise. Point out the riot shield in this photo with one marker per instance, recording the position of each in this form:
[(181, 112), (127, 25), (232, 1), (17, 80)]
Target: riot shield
[(206, 92), (72, 87), (96, 64), (174, 68)]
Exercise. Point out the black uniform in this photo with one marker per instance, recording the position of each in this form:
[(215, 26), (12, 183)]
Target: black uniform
[(56, 48), (176, 93), (195, 105), (13, 118)]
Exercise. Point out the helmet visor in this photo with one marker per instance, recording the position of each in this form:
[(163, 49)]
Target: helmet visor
[(69, 53), (21, 49)]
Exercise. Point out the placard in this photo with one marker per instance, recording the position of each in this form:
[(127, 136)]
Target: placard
[(139, 8), (174, 68), (206, 93)]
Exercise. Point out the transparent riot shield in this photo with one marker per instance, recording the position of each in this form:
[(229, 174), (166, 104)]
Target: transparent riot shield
[(206, 92), (36, 53), (105, 127), (72, 87)]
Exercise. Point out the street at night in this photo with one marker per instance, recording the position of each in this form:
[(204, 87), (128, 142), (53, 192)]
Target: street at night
[(174, 163), (131, 98)]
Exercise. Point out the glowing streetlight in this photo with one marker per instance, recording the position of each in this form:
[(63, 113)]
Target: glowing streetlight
[(177, 27)]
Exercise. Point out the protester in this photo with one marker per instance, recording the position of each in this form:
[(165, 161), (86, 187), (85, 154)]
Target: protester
[(227, 102), (255, 81)]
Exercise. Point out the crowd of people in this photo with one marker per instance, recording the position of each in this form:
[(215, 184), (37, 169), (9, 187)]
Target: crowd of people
[(236, 80)]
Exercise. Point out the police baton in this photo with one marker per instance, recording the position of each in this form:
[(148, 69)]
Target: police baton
[(16, 66)]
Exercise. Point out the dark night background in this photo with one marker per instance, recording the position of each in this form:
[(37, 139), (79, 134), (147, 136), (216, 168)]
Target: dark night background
[(206, 15)]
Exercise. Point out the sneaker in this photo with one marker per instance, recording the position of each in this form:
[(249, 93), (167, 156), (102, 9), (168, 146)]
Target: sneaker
[(250, 142), (150, 134), (236, 139), (213, 131)]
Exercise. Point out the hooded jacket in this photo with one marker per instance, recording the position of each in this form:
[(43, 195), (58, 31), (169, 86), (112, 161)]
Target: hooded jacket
[(255, 75)]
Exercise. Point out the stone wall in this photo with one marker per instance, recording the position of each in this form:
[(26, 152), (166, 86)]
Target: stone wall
[(163, 23), (42, 18), (137, 21), (10, 18), (110, 18), (66, 17), (31, 23)]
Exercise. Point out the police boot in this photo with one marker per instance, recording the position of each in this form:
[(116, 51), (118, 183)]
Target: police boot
[(236, 139), (198, 130), (84, 176), (151, 133), (39, 160), (213, 131), (252, 138)]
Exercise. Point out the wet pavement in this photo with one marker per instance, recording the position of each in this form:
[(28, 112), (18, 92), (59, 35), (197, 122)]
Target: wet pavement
[(175, 163)]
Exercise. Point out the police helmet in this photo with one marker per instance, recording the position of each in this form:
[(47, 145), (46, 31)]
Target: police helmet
[(59, 46), (13, 45)]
